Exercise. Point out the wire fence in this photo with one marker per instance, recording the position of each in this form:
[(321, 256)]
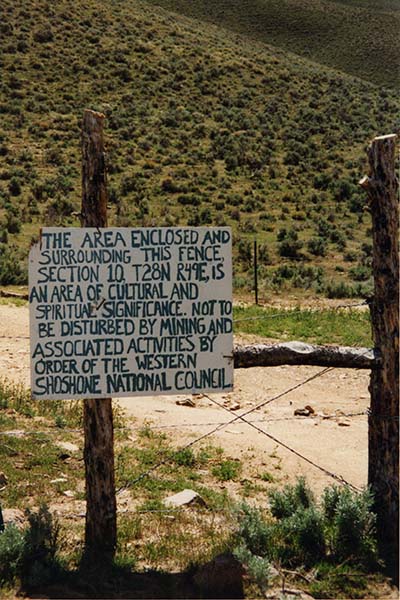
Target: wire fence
[(241, 418), (282, 313), (326, 417), (338, 478), (289, 312)]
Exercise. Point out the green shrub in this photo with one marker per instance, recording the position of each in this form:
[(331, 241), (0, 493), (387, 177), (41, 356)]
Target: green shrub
[(43, 34), (41, 537), (185, 457), (244, 252), (189, 199), (30, 555), (351, 524), (263, 254), (338, 289), (227, 469), (330, 500), (286, 502), (205, 217), (303, 537), (289, 243), (317, 246), (13, 223), (14, 187), (303, 533), (253, 530), (12, 547), (258, 567), (360, 273), (11, 272), (300, 276)]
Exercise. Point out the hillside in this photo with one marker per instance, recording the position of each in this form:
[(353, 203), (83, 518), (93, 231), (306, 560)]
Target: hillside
[(359, 37), (203, 127)]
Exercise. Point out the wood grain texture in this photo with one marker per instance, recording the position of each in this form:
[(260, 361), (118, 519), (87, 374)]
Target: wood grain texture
[(101, 508), (94, 179), (383, 461), (299, 353)]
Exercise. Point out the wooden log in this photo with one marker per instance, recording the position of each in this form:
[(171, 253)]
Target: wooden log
[(7, 294), (299, 353), (383, 443), (101, 508)]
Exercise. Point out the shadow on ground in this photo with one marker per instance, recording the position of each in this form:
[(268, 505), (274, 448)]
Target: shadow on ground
[(221, 578)]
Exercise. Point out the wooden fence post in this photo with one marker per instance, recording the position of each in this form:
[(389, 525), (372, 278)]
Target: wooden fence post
[(101, 509), (383, 424), (255, 272)]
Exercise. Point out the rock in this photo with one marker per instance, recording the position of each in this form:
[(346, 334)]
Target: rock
[(64, 456), (14, 516), (59, 480), (68, 446), (69, 494), (310, 409), (3, 479), (302, 412), (274, 572), (344, 423), (234, 406), (222, 577), (185, 402), (184, 498)]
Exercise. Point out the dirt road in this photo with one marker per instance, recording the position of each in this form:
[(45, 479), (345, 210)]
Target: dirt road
[(335, 442)]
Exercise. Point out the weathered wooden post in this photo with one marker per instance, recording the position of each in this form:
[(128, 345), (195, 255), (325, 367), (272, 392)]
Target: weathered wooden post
[(255, 272), (383, 425), (101, 527)]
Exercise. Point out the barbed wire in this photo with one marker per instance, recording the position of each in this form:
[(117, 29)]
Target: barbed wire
[(288, 312), (338, 478), (234, 420), (241, 417), (266, 420)]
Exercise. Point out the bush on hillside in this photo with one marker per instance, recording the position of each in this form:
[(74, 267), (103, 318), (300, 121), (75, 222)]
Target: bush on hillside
[(11, 272), (289, 244)]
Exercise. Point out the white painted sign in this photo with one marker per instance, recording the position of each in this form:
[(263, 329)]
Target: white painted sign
[(130, 312)]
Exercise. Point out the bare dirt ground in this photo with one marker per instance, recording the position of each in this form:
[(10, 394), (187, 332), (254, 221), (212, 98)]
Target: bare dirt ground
[(336, 442)]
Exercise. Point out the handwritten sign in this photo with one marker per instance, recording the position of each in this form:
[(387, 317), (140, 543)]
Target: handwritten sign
[(130, 312)]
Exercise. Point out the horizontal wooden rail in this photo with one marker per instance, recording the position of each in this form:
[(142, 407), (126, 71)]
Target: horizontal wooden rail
[(299, 353)]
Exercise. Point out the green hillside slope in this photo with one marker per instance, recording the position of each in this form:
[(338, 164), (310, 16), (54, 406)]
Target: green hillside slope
[(360, 37), (203, 127)]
